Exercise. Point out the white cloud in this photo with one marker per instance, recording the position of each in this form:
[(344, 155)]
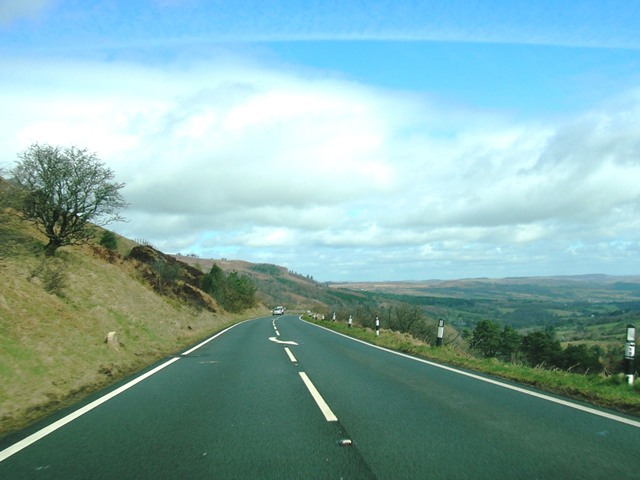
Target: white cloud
[(233, 158)]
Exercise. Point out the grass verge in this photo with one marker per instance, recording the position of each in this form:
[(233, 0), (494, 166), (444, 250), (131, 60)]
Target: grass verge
[(603, 391)]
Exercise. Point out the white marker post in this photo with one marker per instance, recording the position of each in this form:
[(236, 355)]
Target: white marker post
[(629, 353), (377, 327), (350, 321), (440, 333)]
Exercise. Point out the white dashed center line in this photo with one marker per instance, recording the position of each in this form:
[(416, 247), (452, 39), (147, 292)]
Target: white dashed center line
[(324, 408), (291, 357)]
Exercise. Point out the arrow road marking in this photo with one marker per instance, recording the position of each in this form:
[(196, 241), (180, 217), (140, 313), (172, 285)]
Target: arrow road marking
[(286, 342)]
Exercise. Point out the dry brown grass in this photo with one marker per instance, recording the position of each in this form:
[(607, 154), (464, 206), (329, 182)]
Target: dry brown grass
[(52, 347)]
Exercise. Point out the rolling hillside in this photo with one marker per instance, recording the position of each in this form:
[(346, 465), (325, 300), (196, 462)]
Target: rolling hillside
[(565, 302)]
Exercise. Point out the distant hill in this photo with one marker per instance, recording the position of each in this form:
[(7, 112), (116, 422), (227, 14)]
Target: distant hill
[(582, 308), (596, 287)]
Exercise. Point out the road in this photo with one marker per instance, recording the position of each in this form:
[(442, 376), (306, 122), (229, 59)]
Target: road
[(281, 398)]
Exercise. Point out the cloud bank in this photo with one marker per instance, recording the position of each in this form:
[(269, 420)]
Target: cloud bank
[(229, 157)]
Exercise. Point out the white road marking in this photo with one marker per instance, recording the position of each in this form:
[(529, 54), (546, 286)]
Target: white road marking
[(285, 342), (566, 403), (24, 443), (326, 411), (291, 357), (191, 350)]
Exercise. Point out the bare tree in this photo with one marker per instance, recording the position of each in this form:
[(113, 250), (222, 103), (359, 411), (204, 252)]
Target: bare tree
[(66, 191)]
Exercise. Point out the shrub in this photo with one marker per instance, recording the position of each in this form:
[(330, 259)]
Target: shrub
[(53, 275), (540, 348), (167, 273), (486, 338), (582, 359), (109, 240)]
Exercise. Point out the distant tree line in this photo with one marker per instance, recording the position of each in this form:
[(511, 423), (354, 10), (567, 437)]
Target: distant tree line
[(539, 348)]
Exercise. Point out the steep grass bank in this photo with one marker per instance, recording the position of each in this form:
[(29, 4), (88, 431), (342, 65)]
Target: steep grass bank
[(52, 341)]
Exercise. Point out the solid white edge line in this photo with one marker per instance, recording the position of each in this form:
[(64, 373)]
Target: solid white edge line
[(191, 350), (291, 357), (25, 442), (326, 411), (593, 411)]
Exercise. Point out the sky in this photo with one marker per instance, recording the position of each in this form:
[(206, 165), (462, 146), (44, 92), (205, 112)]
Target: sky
[(347, 140)]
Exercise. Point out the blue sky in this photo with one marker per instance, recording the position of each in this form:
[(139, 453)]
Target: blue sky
[(352, 140)]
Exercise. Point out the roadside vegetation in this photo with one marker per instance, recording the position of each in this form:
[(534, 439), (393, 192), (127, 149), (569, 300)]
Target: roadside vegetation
[(604, 390), (541, 349)]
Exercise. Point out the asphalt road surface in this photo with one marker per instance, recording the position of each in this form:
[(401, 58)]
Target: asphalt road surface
[(281, 398)]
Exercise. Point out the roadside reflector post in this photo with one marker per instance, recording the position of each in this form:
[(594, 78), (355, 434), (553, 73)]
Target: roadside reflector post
[(440, 333), (350, 321), (334, 316), (377, 327), (629, 353)]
